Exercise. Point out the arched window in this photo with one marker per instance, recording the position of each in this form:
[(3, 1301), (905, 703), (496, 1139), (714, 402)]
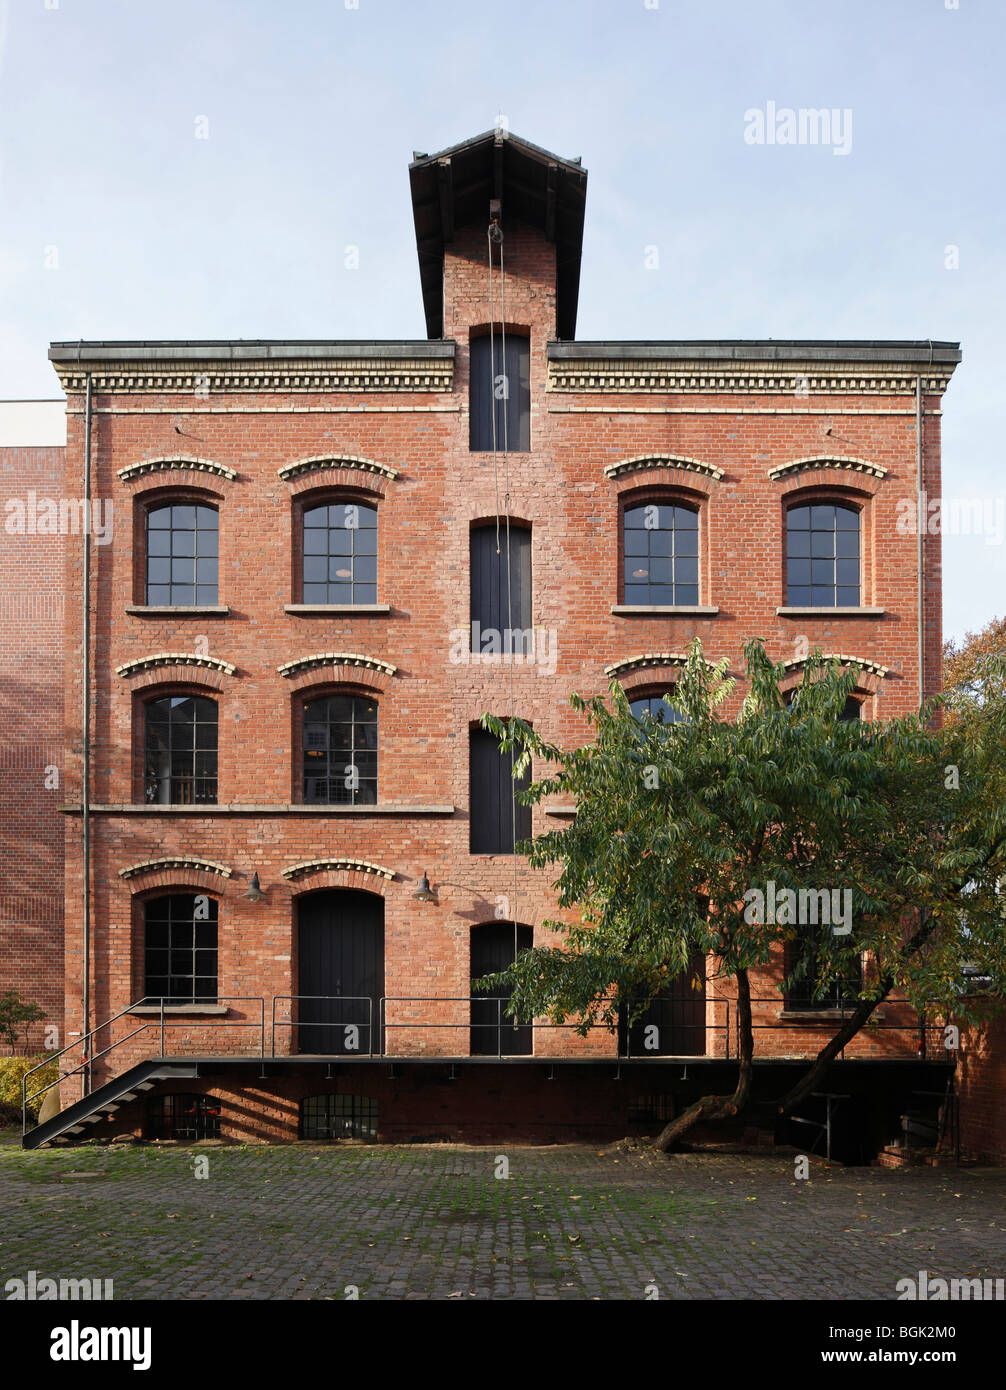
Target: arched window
[(340, 553), (180, 751), (182, 551), (661, 554), (653, 707), (340, 751), (180, 948), (823, 556)]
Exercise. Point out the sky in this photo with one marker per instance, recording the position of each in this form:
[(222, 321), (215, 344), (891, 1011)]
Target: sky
[(198, 169)]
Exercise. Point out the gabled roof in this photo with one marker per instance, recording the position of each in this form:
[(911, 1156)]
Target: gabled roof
[(453, 189)]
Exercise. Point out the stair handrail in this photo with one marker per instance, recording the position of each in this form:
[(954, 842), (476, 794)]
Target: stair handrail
[(84, 1042), (90, 1057)]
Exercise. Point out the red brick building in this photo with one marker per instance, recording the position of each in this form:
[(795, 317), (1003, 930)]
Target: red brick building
[(286, 681), (32, 467)]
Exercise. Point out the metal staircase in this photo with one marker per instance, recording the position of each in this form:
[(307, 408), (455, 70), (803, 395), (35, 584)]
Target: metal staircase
[(73, 1121)]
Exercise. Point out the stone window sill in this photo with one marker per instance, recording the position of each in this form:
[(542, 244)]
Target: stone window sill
[(657, 610), (820, 1015), (154, 1010), (337, 610), (830, 612), (149, 610)]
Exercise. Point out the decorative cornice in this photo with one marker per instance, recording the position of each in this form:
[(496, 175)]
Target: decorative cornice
[(204, 379), (614, 375), (873, 667), (148, 663), (360, 866), (851, 465), (306, 663), (175, 861), (169, 461), (332, 461), (635, 465)]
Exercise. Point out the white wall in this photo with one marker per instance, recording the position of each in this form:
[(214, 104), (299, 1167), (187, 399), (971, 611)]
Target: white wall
[(32, 423)]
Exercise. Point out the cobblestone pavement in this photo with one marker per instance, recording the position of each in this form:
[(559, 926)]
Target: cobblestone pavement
[(434, 1221)]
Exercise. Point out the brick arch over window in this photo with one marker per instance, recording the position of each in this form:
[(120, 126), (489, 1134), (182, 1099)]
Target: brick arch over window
[(869, 682), (178, 873), (664, 470), (310, 875), (147, 673), (168, 470), (320, 669), (338, 471)]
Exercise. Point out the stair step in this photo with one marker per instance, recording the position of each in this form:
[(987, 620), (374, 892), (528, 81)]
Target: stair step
[(75, 1129), (145, 1086)]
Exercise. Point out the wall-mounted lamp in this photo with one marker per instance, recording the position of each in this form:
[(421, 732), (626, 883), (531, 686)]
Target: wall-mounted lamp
[(254, 892), (424, 893)]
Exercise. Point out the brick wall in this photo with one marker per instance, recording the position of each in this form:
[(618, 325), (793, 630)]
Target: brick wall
[(428, 705), (31, 733)]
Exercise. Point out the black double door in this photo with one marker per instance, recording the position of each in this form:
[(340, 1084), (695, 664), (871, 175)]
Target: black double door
[(674, 1025), (340, 944), (492, 1033)]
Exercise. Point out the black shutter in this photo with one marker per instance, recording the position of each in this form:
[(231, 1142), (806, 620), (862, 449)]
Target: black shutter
[(489, 579), (513, 414), (679, 1013), (491, 787), (341, 958), (492, 1033)]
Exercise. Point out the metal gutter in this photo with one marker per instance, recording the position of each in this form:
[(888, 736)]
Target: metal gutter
[(249, 350), (762, 350)]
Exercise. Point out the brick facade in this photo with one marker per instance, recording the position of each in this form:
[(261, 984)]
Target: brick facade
[(31, 738), (256, 431)]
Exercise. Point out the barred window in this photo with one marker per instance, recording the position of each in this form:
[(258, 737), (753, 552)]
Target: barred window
[(340, 553), (661, 554), (180, 948), (822, 556), (180, 751), (182, 550), (338, 1117), (340, 751)]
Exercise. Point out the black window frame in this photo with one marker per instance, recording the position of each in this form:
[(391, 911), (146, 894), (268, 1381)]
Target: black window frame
[(357, 587), (676, 560), (203, 550), (487, 363), (357, 1117), (799, 995), (198, 751), (332, 763), (663, 714), (176, 937), (819, 554), (168, 1116)]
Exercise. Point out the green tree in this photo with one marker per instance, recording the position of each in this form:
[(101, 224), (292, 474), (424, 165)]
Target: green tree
[(677, 822), (15, 1017)]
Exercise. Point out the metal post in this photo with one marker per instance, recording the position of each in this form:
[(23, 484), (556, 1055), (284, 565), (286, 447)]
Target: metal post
[(162, 1025), (499, 1028)]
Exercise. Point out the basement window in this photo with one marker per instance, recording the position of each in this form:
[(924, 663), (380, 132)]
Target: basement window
[(185, 1116), (338, 1117)]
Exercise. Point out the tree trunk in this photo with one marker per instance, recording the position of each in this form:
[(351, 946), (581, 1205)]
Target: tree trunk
[(811, 1079), (719, 1107)]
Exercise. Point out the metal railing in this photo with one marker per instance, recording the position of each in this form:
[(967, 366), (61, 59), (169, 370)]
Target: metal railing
[(85, 1068), (708, 1027), (323, 1023)]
